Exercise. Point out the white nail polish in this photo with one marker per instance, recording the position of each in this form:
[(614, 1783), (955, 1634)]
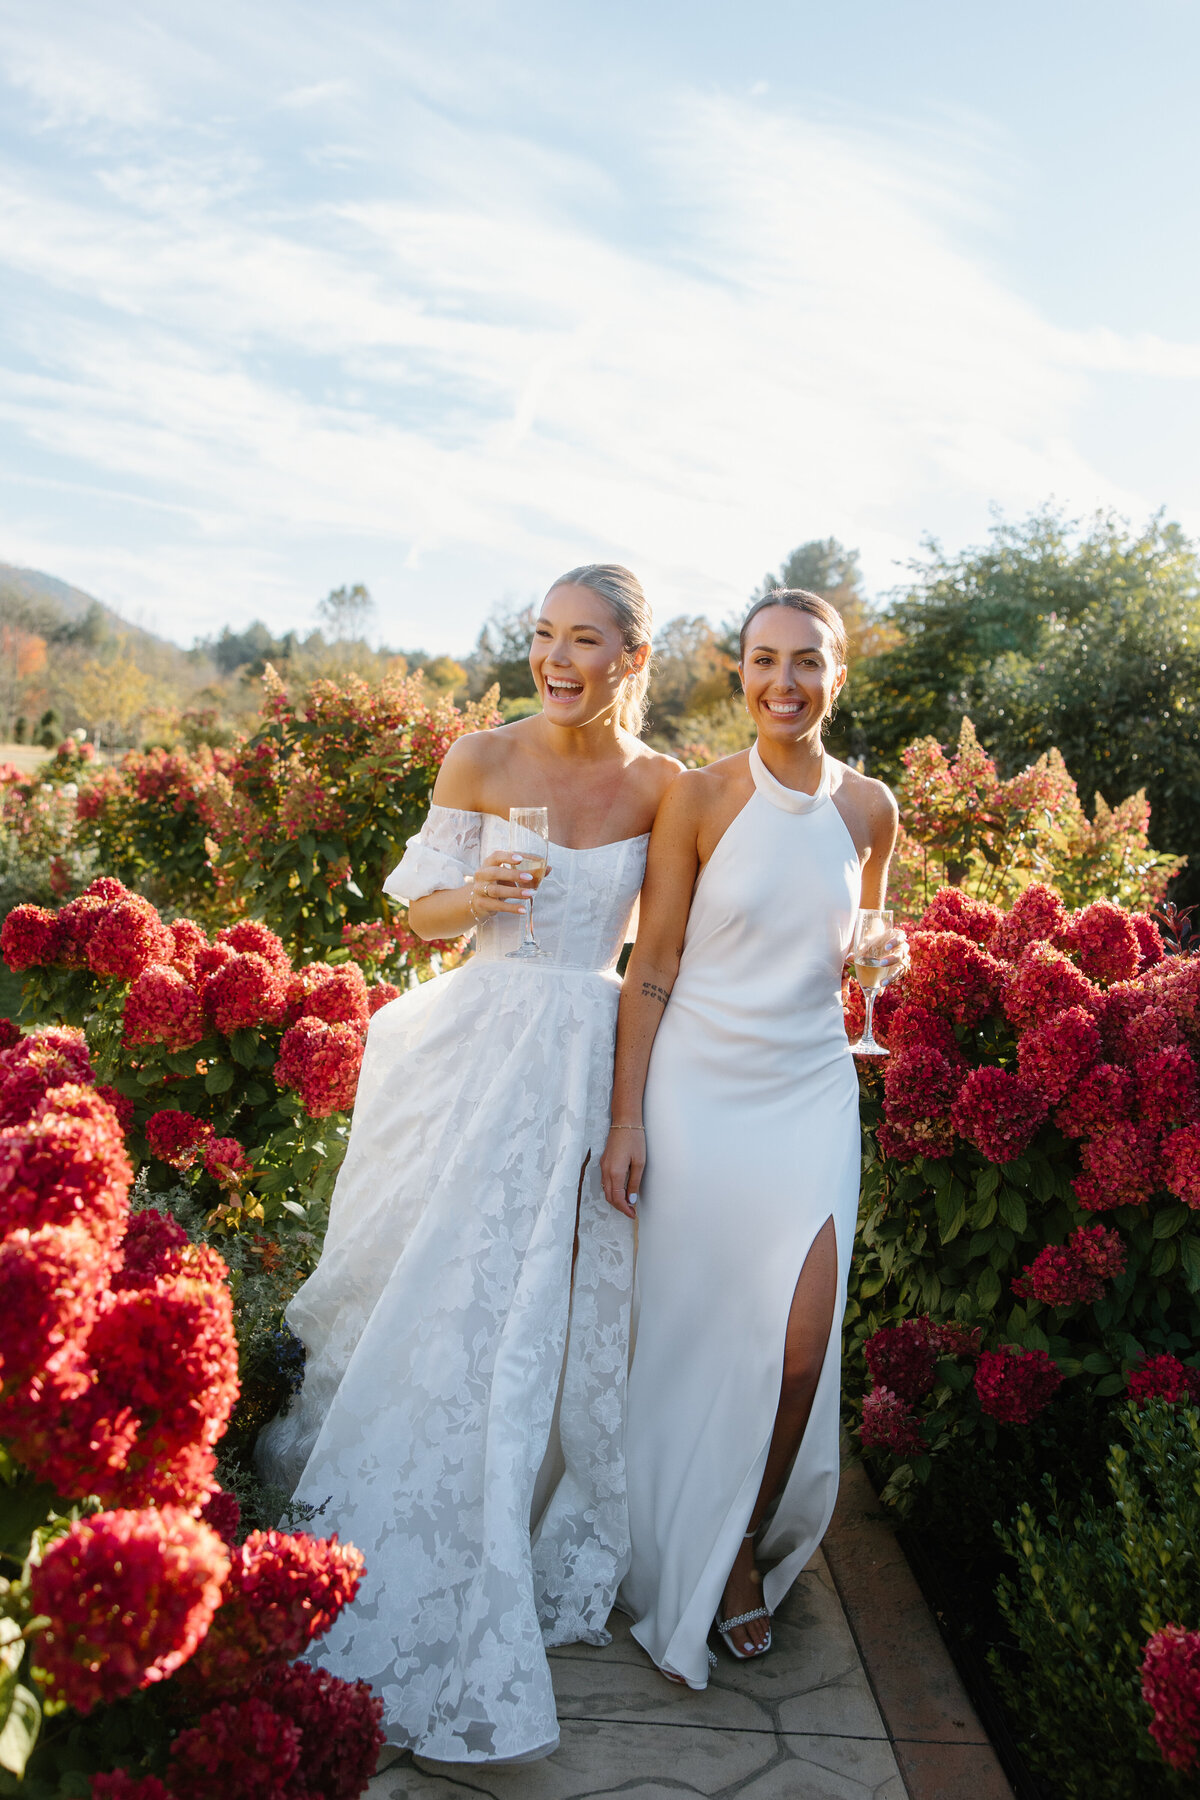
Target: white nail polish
[(633, 1199)]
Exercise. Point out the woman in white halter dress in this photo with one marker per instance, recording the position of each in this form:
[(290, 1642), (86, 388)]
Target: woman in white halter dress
[(748, 1204), (467, 1326)]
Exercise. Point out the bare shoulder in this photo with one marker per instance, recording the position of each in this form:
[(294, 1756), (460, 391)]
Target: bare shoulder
[(654, 768), (871, 802), (470, 763)]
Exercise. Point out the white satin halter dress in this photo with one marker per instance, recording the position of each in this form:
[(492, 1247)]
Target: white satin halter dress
[(752, 1143), (467, 1327)]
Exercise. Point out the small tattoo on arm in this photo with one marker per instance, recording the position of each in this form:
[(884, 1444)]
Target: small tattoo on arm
[(652, 991)]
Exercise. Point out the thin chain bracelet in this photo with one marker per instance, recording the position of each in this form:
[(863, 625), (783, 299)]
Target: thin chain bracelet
[(640, 1128)]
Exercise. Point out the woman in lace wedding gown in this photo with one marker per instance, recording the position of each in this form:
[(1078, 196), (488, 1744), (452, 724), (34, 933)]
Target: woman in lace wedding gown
[(467, 1327), (731, 1021)]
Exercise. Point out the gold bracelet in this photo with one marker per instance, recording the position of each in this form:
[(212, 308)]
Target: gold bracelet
[(640, 1128)]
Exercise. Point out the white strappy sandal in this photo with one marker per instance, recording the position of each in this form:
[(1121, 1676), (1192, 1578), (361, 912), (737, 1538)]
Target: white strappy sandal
[(725, 1626)]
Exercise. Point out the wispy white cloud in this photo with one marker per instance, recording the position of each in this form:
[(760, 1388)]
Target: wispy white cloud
[(505, 353)]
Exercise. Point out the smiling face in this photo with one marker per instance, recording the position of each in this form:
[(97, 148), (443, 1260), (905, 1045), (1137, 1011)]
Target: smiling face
[(578, 656), (790, 672)]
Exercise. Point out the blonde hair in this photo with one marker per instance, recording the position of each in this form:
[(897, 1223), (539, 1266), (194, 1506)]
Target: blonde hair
[(622, 591)]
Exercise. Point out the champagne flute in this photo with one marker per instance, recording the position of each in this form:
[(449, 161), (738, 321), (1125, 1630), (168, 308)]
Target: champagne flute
[(875, 963), (529, 821)]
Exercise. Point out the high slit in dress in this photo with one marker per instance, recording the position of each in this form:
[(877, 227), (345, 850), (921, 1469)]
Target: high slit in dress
[(752, 1144), (467, 1327)]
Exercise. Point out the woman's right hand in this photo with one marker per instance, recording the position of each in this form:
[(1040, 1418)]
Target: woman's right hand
[(622, 1167), (497, 886)]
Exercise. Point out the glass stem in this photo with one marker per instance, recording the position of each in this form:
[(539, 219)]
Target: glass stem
[(530, 940), (868, 1035)]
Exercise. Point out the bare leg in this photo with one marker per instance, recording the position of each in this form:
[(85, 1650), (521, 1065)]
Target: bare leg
[(809, 1324)]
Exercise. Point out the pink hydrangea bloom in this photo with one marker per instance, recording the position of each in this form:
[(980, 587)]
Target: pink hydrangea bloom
[(1015, 1385), (1171, 1689), (952, 910), (1053, 1056), (1074, 1273), (889, 1423), (1181, 1164), (998, 1112), (1036, 916), (1120, 1167), (1103, 937), (1044, 983)]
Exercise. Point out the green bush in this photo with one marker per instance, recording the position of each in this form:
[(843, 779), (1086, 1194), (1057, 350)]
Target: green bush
[(1093, 1580)]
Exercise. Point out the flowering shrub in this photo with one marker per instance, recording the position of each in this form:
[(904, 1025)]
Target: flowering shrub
[(1103, 1603), (220, 1039), (960, 824), (1034, 1177), (118, 1377), (299, 823)]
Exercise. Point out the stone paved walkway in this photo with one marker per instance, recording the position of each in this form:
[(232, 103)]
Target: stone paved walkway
[(800, 1725)]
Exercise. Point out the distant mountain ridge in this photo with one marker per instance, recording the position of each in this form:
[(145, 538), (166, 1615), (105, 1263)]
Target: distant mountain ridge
[(32, 587)]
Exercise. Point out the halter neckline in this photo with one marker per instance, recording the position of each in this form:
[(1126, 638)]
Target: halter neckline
[(785, 798)]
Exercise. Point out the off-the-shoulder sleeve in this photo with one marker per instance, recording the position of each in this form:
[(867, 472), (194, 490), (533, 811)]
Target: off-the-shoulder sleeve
[(443, 853)]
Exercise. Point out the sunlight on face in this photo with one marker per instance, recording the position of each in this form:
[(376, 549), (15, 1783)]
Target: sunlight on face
[(790, 674), (578, 656)]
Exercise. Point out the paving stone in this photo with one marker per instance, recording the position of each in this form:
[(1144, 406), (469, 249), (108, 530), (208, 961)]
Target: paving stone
[(817, 1768)]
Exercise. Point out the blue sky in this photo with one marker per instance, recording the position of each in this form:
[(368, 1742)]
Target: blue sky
[(446, 299)]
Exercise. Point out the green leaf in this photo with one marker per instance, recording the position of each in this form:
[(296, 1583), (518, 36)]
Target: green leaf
[(294, 1207), (987, 1289), (20, 1730), (219, 1079), (1189, 1256), (951, 1214), (987, 1181), (1170, 1219), (1096, 1362), (244, 1044), (1012, 1209)]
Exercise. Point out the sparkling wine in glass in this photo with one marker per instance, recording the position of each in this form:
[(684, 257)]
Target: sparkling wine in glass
[(531, 858), (874, 953)]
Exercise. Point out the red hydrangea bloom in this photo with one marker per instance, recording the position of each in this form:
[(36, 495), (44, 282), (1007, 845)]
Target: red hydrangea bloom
[(247, 935), (1120, 1167), (208, 961), (1104, 939), (952, 910), (76, 922), (1181, 1164), (162, 1007), (59, 1170), (1163, 1378), (911, 1024), (246, 1751), (1171, 1689), (1136, 1020), (1150, 945), (282, 1592), (128, 1596), (177, 1137), (151, 1248), (998, 1112), (321, 1063), (340, 1727), (121, 1785), (50, 1283), (1178, 988), (121, 1104), (1103, 1097), (128, 938), (226, 1161), (223, 1512), (1044, 983), (166, 1356), (1053, 1056), (1015, 1385), (854, 1011), (919, 1083), (951, 975), (1074, 1273), (889, 1423), (341, 997), (106, 888), (931, 1138), (10, 1034), (901, 1357), (29, 938), (1037, 916), (1167, 1087), (379, 995), (189, 939), (43, 1060), (247, 992)]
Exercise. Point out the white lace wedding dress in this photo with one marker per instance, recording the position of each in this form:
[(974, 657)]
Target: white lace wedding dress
[(467, 1328)]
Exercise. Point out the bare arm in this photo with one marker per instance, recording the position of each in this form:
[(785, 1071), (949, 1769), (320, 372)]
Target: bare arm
[(496, 887), (672, 864), (883, 822)]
